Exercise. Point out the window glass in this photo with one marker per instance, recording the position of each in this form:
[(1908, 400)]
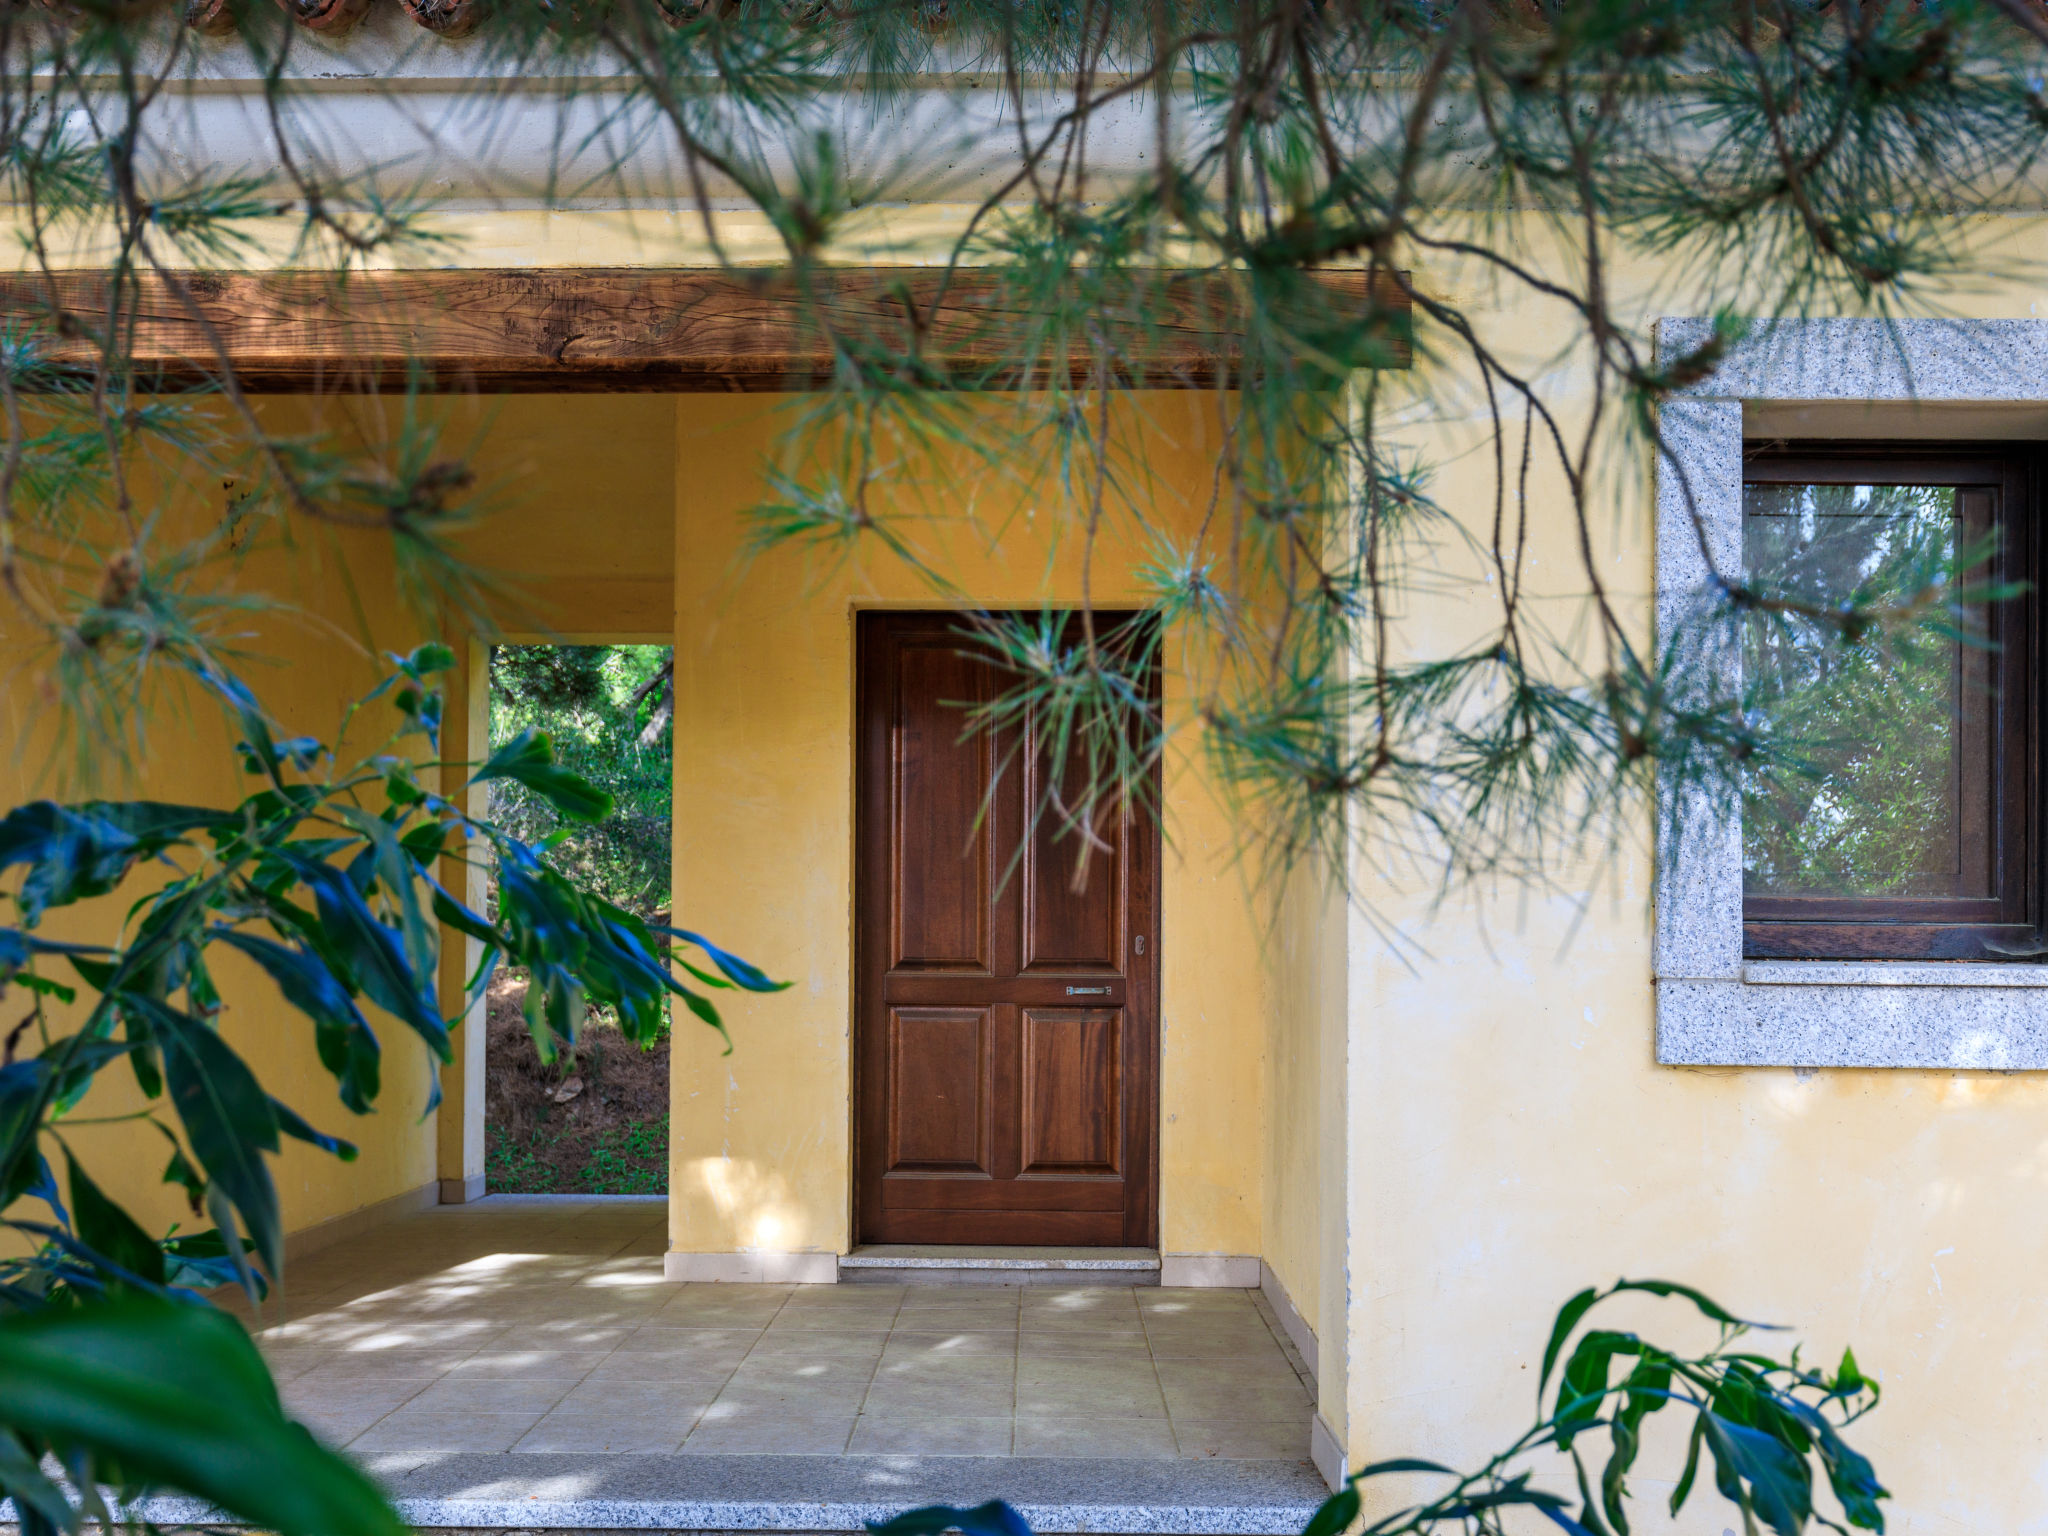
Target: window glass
[(1889, 788)]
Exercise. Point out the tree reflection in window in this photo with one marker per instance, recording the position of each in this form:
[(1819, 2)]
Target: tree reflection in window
[(1881, 774)]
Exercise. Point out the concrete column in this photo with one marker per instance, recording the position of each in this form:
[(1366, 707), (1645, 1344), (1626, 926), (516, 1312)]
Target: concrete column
[(459, 1129)]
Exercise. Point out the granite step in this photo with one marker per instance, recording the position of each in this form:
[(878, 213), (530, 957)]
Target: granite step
[(936, 1264), (1125, 1496)]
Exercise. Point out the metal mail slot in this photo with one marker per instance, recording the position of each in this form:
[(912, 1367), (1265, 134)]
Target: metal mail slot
[(1087, 991)]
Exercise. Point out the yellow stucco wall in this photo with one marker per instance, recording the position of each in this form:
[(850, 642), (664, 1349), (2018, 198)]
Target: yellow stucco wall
[(315, 651), (760, 1149), (582, 499), (1514, 1138)]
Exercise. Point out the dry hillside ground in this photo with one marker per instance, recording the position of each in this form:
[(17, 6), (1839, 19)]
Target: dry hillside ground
[(597, 1125)]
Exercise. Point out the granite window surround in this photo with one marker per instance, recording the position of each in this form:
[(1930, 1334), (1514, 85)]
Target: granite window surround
[(1806, 378)]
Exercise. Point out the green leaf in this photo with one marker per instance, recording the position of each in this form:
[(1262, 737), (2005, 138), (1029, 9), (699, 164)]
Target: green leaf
[(228, 1118), (1706, 1304), (293, 1124), (740, 973), (348, 1047), (1683, 1491), (1849, 1472), (22, 1480), (202, 1261), (1777, 1483), (1335, 1514), (529, 759), (1400, 1464), (1849, 1379), (22, 1088), (1584, 1383), (460, 918), (179, 1171), (424, 842), (995, 1518), (69, 856), (177, 1395), (1568, 1318), (399, 874), (429, 658), (110, 1231), (259, 752), (374, 954)]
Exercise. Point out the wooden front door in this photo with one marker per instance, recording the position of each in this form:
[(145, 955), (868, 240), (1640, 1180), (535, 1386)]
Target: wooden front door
[(1006, 1035)]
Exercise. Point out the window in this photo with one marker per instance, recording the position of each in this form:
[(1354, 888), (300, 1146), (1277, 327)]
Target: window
[(1908, 827)]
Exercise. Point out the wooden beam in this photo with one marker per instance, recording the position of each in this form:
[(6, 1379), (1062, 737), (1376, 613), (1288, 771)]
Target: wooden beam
[(667, 329)]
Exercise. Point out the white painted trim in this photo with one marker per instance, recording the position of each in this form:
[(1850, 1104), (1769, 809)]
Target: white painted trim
[(1326, 1453), (464, 1191), (1713, 1007), (763, 1268), (1299, 1334), (1236, 1271), (350, 1224)]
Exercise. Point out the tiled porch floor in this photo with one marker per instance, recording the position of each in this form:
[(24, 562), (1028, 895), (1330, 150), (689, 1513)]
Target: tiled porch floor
[(545, 1327)]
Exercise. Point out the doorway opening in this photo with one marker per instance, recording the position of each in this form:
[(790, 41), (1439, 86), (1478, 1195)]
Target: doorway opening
[(1006, 1034), (594, 1121)]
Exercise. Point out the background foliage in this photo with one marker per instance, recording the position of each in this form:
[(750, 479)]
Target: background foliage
[(602, 707)]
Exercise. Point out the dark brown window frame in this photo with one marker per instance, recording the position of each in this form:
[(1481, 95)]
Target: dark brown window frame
[(2006, 927)]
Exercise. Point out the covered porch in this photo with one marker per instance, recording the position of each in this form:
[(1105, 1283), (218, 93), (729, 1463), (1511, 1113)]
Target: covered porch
[(521, 1361)]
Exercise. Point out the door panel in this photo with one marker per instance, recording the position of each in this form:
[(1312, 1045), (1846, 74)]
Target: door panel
[(938, 1103), (1006, 1037), (1067, 929), (942, 858), (1071, 1091)]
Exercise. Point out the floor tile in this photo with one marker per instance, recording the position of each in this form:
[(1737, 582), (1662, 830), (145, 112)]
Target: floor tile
[(1085, 1342), (532, 1394), (1213, 1399), (287, 1361), (690, 1395), (434, 1429), (1098, 1393), (797, 1379), (386, 1365), (568, 1332), (720, 1351), (1214, 1341), (945, 1435), (957, 1344), (1284, 1439), (506, 1363), (1047, 1319), (1073, 1435), (307, 1395), (1068, 1370), (337, 1426), (1192, 1302), (956, 1298), (833, 1320), (915, 1389), (607, 1433), (1250, 1373), (866, 1343)]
